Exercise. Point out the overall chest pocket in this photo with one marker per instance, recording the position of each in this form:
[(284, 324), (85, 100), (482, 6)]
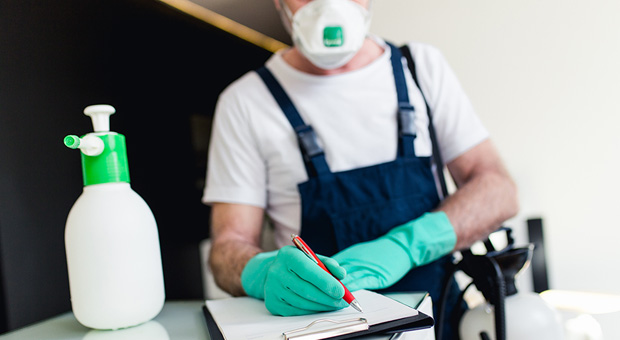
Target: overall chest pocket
[(367, 222)]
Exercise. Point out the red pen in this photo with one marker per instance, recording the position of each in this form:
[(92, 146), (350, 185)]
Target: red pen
[(301, 245)]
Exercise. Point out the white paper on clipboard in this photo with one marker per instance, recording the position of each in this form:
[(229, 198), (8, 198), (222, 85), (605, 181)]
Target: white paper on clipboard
[(246, 318)]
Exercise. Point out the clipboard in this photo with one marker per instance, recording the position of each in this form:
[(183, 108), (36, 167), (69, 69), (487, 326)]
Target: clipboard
[(324, 328)]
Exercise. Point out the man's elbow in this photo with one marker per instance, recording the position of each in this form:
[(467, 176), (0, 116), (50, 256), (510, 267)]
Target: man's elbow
[(511, 198)]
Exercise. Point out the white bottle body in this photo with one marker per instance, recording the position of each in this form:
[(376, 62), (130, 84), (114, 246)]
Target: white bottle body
[(528, 316), (113, 258)]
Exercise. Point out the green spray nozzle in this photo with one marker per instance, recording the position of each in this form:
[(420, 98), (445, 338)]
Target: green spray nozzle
[(89, 145), (72, 141)]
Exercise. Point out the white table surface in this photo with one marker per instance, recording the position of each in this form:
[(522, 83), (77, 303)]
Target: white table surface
[(178, 320)]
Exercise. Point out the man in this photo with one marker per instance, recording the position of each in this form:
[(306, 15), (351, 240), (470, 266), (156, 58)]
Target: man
[(331, 140)]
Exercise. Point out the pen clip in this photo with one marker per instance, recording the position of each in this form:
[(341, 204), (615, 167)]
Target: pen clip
[(301, 245)]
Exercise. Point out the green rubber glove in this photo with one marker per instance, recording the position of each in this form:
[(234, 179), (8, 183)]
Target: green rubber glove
[(292, 284), (382, 262)]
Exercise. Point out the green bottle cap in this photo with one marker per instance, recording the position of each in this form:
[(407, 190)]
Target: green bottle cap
[(104, 154), (110, 166)]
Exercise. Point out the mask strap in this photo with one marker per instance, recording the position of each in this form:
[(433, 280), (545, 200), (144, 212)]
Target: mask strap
[(287, 17)]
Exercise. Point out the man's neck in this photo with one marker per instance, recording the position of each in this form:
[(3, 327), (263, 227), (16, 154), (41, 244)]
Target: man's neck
[(368, 53)]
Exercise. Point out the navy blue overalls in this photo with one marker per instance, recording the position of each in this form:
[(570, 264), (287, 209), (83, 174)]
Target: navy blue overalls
[(344, 208)]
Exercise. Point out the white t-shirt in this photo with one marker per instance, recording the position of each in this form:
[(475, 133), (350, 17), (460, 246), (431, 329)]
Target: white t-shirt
[(254, 157)]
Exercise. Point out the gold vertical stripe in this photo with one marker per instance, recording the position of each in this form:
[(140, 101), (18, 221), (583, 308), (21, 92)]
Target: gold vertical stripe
[(226, 24)]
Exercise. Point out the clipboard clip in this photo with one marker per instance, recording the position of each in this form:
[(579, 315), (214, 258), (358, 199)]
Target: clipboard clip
[(327, 328)]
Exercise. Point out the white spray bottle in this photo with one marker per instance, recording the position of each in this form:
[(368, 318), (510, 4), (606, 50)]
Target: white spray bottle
[(111, 240)]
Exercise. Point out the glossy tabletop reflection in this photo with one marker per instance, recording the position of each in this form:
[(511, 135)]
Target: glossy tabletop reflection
[(178, 320), (182, 320)]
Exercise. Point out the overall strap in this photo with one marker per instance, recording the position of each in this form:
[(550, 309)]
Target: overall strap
[(314, 157), (406, 111), (437, 159)]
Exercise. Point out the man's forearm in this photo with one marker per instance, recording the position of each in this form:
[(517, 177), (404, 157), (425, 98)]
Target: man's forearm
[(480, 206), (486, 195), (227, 260), (235, 233)]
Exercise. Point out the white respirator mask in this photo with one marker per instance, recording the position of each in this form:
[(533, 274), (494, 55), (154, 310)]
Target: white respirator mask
[(328, 32)]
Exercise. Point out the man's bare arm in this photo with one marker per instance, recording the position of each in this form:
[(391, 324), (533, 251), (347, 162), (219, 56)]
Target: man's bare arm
[(485, 198), (235, 234)]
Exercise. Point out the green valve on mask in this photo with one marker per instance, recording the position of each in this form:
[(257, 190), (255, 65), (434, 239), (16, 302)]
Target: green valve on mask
[(332, 36)]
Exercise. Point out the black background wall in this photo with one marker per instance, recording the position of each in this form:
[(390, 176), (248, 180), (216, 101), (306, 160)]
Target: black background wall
[(162, 71)]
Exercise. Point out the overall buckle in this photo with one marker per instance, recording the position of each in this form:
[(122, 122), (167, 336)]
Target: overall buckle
[(308, 141), (406, 120)]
